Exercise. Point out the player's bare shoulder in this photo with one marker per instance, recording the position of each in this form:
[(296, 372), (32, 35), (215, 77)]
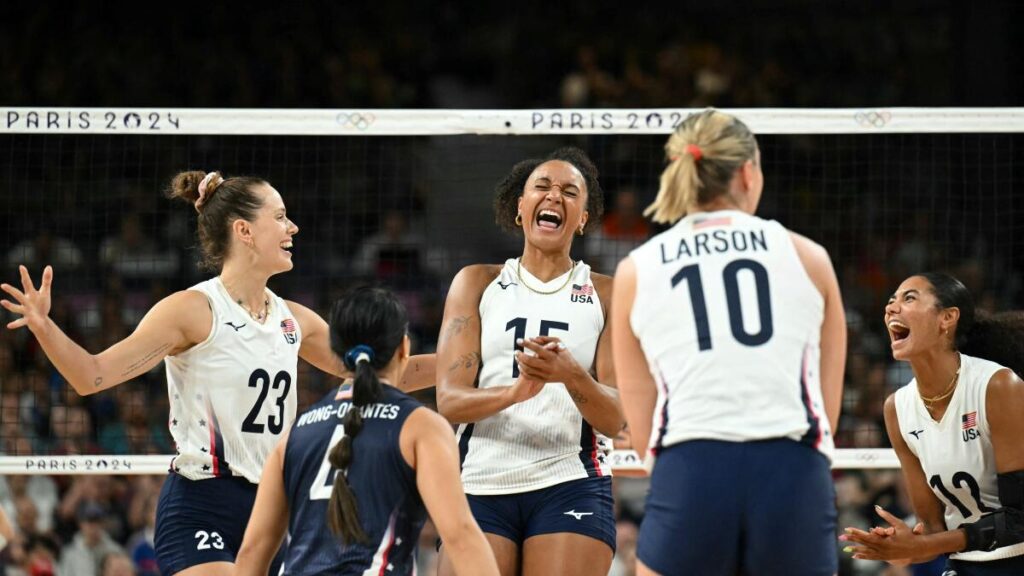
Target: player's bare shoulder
[(472, 280), (816, 262), (603, 285), (188, 312)]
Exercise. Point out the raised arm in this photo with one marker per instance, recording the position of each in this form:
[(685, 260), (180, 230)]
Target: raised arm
[(833, 328), (269, 519), (597, 399), (316, 341), (637, 389), (428, 439), (458, 354), (173, 325)]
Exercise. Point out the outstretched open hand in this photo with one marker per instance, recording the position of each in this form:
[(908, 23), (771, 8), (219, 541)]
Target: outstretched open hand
[(33, 305)]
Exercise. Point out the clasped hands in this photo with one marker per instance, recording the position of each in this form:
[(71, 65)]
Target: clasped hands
[(896, 543)]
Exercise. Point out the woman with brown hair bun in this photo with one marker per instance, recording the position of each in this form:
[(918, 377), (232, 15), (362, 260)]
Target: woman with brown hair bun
[(231, 348)]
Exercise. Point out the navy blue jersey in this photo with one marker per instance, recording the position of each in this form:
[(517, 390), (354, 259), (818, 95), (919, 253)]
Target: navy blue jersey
[(390, 509)]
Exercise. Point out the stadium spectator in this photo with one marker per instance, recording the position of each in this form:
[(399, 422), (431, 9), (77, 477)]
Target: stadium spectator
[(84, 555)]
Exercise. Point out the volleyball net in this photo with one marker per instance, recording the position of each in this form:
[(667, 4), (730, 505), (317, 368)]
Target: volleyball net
[(403, 197)]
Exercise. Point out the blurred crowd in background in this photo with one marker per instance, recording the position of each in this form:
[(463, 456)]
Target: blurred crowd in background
[(393, 54), (884, 207), (118, 246)]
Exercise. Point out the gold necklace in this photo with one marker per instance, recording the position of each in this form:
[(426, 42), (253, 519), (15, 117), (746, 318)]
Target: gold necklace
[(928, 402), (257, 316), (568, 277)]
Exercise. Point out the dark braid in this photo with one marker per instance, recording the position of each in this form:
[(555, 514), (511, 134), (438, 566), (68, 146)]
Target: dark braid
[(367, 327)]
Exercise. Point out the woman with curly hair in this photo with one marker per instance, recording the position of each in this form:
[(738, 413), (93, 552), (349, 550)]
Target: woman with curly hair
[(525, 371)]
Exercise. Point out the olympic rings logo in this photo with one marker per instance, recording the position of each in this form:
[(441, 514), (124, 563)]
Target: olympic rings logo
[(872, 118), (355, 120)]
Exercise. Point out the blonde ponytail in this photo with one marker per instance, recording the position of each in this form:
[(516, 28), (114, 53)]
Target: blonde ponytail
[(704, 152)]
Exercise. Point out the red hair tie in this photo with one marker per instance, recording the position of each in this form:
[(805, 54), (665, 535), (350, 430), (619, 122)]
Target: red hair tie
[(695, 151)]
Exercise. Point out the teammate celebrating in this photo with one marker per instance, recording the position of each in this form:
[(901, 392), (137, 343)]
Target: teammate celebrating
[(957, 430), (231, 347), (362, 459), (532, 427), (730, 341)]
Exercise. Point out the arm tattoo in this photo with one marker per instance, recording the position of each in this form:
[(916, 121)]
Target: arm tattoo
[(466, 362), (577, 396), (457, 325), (148, 357)]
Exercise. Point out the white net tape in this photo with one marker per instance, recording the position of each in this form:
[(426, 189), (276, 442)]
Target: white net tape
[(623, 462), (374, 122), (371, 122)]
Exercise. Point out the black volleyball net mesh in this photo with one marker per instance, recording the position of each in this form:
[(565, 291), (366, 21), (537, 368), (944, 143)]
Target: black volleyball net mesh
[(409, 211)]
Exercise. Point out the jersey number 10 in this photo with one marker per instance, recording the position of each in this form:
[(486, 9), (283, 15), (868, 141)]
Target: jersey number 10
[(691, 274)]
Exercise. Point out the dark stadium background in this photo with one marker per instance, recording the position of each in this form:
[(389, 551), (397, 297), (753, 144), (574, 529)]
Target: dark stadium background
[(883, 205)]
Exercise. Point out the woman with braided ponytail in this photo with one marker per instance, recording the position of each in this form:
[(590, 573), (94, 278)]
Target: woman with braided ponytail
[(367, 461), (231, 348)]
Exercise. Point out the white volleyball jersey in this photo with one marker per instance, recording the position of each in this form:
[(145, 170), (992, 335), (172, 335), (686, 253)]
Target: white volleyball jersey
[(545, 440), (730, 324), (956, 452), (233, 394)]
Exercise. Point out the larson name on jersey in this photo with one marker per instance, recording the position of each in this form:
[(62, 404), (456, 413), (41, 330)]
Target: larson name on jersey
[(714, 242)]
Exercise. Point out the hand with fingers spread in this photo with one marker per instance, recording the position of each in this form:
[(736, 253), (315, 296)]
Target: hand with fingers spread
[(897, 543), (551, 361), (33, 305)]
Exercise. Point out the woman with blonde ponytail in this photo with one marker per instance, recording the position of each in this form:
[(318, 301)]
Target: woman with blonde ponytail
[(231, 348), (729, 346), (357, 474)]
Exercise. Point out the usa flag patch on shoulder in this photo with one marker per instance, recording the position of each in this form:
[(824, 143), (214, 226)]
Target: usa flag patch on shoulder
[(288, 329), (970, 420)]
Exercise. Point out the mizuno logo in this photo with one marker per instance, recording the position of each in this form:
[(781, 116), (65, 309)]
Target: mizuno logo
[(578, 515), (917, 433), (504, 286), (237, 328)]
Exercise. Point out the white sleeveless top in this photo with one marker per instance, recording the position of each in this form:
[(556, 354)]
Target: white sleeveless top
[(730, 324), (545, 440), (956, 452), (233, 394)]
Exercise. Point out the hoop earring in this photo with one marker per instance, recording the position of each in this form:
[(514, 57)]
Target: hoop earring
[(519, 219)]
